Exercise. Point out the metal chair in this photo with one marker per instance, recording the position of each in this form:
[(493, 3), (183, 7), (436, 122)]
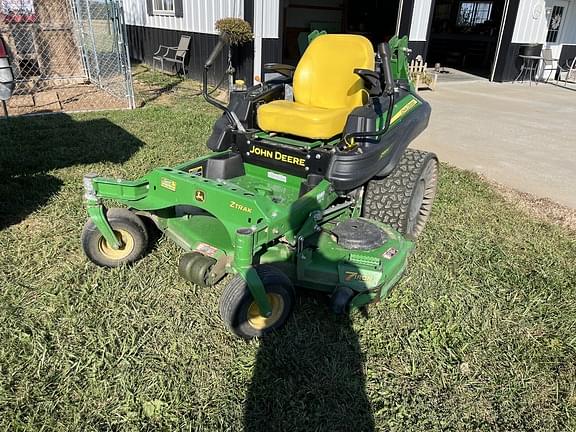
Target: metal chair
[(548, 62), (569, 67), (529, 67), (175, 55)]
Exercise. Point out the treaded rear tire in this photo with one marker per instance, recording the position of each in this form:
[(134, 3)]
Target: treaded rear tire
[(237, 299), (404, 199)]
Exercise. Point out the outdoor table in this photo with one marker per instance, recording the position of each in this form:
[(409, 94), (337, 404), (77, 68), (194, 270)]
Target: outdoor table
[(529, 67)]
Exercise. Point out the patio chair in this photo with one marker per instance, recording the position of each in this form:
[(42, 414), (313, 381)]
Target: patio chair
[(175, 55), (548, 63), (570, 68)]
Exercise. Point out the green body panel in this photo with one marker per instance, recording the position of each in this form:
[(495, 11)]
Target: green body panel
[(243, 260), (191, 232), (96, 213), (399, 61), (327, 265), (401, 109), (248, 201)]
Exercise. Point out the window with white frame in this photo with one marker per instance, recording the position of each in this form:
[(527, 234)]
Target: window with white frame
[(163, 7), (472, 13)]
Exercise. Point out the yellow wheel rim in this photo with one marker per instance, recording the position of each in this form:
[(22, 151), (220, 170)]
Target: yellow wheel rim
[(259, 322), (117, 254)]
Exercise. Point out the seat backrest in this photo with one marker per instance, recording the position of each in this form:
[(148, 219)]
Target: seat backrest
[(183, 46), (530, 49), (325, 75), (547, 56)]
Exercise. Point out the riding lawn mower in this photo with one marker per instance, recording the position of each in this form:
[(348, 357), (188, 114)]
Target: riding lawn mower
[(309, 185)]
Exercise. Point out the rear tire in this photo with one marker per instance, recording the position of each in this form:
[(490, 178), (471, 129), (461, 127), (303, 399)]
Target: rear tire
[(128, 227), (404, 199), (240, 312)]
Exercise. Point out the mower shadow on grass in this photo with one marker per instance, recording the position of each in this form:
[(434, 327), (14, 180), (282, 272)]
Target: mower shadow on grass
[(309, 376), (32, 147)]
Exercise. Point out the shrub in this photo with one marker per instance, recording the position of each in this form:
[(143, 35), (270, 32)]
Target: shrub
[(236, 30)]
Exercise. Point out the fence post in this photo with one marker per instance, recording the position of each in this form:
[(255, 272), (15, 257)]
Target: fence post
[(80, 34), (91, 27), (123, 48)]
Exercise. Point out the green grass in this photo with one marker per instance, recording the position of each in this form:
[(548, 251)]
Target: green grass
[(479, 335)]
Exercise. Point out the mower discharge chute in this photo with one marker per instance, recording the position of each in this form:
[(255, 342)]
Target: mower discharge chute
[(318, 192)]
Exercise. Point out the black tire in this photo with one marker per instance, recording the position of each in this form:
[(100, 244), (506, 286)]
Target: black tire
[(237, 304), (404, 199), (128, 227)]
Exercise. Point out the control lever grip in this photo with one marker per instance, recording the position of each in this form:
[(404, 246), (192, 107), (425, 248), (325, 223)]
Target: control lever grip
[(386, 56)]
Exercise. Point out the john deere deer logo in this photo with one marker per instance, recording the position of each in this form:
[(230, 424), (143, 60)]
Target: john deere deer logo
[(199, 196)]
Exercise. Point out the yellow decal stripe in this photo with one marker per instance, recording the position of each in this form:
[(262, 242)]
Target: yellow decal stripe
[(404, 110), (168, 184)]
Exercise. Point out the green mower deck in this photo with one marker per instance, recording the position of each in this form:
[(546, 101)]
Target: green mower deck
[(239, 219)]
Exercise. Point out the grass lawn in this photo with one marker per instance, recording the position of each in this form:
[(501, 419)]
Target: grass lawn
[(479, 335)]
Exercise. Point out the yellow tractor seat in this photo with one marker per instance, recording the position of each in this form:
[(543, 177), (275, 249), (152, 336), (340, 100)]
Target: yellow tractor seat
[(302, 120), (326, 89)]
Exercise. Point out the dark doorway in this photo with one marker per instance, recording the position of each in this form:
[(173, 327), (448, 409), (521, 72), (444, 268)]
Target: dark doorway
[(464, 34), (375, 19)]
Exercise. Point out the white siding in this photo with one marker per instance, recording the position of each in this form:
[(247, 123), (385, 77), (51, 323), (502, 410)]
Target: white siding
[(420, 18), (529, 27), (266, 18), (532, 25), (569, 33), (199, 15), (266, 21)]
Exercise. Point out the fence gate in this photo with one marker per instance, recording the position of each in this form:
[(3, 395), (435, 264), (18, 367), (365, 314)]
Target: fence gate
[(68, 54), (103, 39)]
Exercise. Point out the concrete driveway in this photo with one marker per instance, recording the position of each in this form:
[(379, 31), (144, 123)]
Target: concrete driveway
[(520, 136)]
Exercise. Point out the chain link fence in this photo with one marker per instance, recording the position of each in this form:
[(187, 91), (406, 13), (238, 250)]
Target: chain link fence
[(67, 54), (103, 38)]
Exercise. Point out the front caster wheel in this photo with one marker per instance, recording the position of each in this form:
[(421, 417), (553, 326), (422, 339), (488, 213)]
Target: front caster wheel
[(129, 229), (242, 315)]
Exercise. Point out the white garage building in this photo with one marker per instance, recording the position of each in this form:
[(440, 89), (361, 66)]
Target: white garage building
[(482, 37)]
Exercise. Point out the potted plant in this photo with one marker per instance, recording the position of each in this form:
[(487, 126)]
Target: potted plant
[(236, 32)]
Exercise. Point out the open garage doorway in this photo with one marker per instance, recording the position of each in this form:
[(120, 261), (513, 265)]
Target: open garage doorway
[(375, 19), (464, 34)]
